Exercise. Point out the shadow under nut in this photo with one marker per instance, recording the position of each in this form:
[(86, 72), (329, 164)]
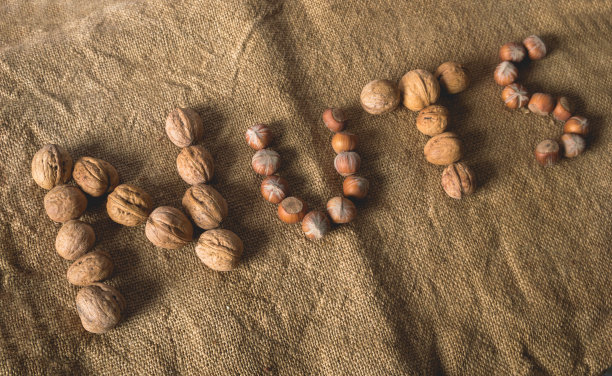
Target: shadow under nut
[(99, 307), (220, 249), (169, 228), (205, 206), (129, 205)]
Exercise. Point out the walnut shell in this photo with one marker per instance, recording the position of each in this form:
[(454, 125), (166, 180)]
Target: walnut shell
[(458, 180), (169, 228), (219, 249), (64, 203), (443, 149), (51, 166), (205, 206), (100, 307), (379, 97), (184, 127), (74, 239), (453, 77), (92, 267), (129, 205), (432, 120), (95, 176), (195, 165), (420, 89)]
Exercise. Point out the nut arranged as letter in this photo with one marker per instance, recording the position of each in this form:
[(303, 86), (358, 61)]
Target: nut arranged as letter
[(51, 166), (169, 228), (379, 97), (341, 210), (315, 225), (420, 89), (265, 162), (443, 149), (74, 239), (274, 189), (129, 205), (219, 249), (432, 120), (195, 165), (458, 180), (95, 176), (453, 77), (205, 206), (93, 267), (64, 203), (100, 307), (184, 127)]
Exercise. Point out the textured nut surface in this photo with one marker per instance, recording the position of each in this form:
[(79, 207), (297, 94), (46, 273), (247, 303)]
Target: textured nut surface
[(265, 162), (341, 210), (515, 96), (95, 176), (315, 225), (100, 307), (344, 141), (74, 239), (563, 109), (535, 47), (93, 267), (205, 206), (453, 77), (51, 166), (347, 163), (578, 125), (168, 227), (420, 89), (65, 202), (432, 120), (129, 205), (458, 180), (274, 189), (443, 149), (573, 145), (258, 136), (292, 210), (355, 186), (379, 97), (334, 119), (184, 127), (195, 165), (505, 73), (547, 152), (541, 104), (512, 52), (219, 249)]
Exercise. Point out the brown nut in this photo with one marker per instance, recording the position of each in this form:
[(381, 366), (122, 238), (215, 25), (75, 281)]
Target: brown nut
[(379, 97), (355, 186), (578, 125), (515, 96), (547, 152), (334, 119), (65, 202), (205, 206), (95, 176), (100, 307), (274, 189), (512, 52), (265, 162), (344, 141), (195, 165), (51, 166), (74, 239), (573, 145), (341, 210), (420, 89), (347, 163), (93, 267), (292, 210), (563, 109), (219, 249), (129, 205), (315, 225), (184, 127), (169, 228), (432, 120), (535, 47), (443, 149), (258, 136), (541, 104), (505, 73), (453, 77), (458, 180)]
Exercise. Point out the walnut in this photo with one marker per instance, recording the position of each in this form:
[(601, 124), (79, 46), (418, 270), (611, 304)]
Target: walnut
[(74, 239), (100, 307), (453, 77), (184, 127), (95, 176), (168, 227), (443, 149), (92, 267), (64, 203), (205, 206), (219, 249), (51, 166), (420, 89), (129, 205), (195, 165)]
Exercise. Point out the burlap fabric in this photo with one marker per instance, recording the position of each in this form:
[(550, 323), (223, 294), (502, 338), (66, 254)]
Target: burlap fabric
[(514, 280)]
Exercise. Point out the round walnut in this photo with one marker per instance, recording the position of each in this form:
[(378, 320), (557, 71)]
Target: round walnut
[(432, 120), (443, 149), (205, 206), (169, 228), (93, 267), (129, 205), (458, 180), (64, 203), (379, 97), (51, 166), (453, 77), (100, 307), (420, 89), (184, 127), (95, 176), (219, 249), (195, 165), (74, 239)]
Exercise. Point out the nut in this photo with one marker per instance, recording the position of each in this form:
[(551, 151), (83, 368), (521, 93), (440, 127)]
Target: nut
[(169, 228), (65, 202), (458, 180), (205, 206), (93, 267), (74, 239), (512, 52), (535, 47), (432, 120), (379, 97), (341, 210), (184, 127), (344, 141), (51, 166), (334, 119), (258, 136), (347, 163), (515, 96), (100, 307), (547, 152), (505, 73), (355, 186), (129, 205), (292, 210), (219, 249), (315, 225), (95, 176), (573, 145), (274, 189), (420, 89), (195, 165), (265, 162), (541, 104), (443, 149), (563, 109), (578, 125), (453, 77)]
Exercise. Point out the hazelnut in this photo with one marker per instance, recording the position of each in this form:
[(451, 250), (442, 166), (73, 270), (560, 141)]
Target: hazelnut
[(315, 225), (547, 152), (563, 109), (292, 210), (341, 210), (541, 104), (512, 52), (65, 202), (334, 119), (51, 166), (74, 239), (258, 136), (453, 77), (274, 189), (515, 96), (195, 165), (265, 162), (219, 249), (355, 186), (344, 141), (420, 89), (379, 97), (535, 47), (95, 176), (100, 307), (169, 228), (93, 267), (432, 120), (505, 73), (443, 149), (573, 145), (184, 127), (129, 205), (347, 163), (205, 206), (458, 180), (578, 125)]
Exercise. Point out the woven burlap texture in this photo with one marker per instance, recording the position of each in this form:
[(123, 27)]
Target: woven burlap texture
[(514, 280)]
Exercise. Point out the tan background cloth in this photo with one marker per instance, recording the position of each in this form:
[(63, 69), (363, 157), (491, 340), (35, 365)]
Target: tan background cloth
[(514, 280)]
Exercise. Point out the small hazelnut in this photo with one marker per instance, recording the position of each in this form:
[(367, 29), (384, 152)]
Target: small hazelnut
[(443, 149), (420, 89), (169, 228), (92, 267), (432, 120), (265, 162), (547, 152), (274, 189), (292, 210), (341, 210), (184, 127), (355, 186), (515, 96), (344, 141), (535, 47), (541, 104), (512, 52), (573, 145), (347, 163), (129, 205), (258, 136), (458, 180), (505, 73), (95, 176), (453, 77), (100, 307), (205, 206), (65, 202), (51, 166), (315, 225), (379, 97), (195, 165), (334, 119), (219, 249), (563, 109), (74, 239), (578, 125)]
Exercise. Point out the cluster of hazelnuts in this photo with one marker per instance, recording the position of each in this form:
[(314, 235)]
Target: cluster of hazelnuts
[(421, 90), (516, 96)]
